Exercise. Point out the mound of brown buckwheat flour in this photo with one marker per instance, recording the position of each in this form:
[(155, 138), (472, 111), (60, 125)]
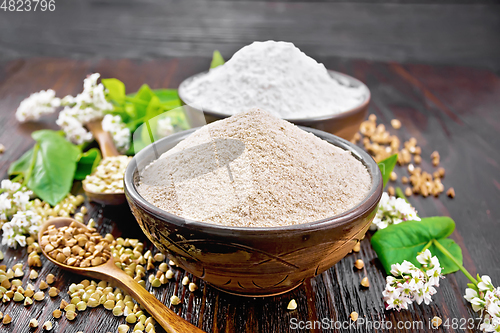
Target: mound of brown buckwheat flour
[(254, 170)]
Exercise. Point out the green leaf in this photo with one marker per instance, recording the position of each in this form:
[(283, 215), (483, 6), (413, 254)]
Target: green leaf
[(87, 163), (144, 93), (115, 87), (141, 101), (145, 104), (55, 166), (130, 110), (131, 150), (21, 166), (217, 59), (386, 166), (154, 108), (173, 104), (448, 265), (403, 241), (166, 95), (148, 130)]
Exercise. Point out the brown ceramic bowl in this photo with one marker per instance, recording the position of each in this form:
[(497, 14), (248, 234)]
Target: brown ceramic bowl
[(344, 124), (252, 261)]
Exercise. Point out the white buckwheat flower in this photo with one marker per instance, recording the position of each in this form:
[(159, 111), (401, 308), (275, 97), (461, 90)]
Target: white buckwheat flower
[(75, 132), (432, 265), (404, 268), (490, 324), (9, 185), (118, 130), (409, 283), (485, 298), (23, 223), (21, 199), (164, 127), (5, 207), (393, 210), (12, 200), (89, 105), (37, 104), (485, 283)]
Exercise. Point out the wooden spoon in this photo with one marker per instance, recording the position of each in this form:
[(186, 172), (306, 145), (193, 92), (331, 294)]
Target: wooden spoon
[(108, 271), (108, 149)]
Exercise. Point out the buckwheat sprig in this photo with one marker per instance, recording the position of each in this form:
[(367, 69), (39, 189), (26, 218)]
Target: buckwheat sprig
[(485, 298), (118, 130), (13, 198), (393, 210), (37, 104), (409, 283), (87, 106)]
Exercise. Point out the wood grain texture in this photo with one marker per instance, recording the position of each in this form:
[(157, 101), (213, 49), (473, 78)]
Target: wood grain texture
[(445, 32), (450, 109)]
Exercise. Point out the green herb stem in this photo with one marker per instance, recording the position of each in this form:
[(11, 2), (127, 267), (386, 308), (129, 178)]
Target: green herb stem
[(32, 164), (460, 266), (427, 246), (16, 178), (150, 132)]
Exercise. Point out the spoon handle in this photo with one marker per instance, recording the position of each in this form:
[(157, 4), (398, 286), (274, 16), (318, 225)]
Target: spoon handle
[(104, 139), (170, 321)]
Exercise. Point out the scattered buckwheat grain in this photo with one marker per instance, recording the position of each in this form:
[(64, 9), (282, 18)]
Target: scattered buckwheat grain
[(174, 300), (436, 322), (56, 313), (192, 287), (33, 323), (357, 247), (7, 319), (50, 278), (395, 123), (123, 328), (47, 326), (359, 264)]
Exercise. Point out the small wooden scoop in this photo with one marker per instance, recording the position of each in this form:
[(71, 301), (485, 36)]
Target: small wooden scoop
[(108, 271), (108, 149)]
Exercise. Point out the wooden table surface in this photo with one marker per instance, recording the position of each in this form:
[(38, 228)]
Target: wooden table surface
[(454, 110), (459, 32)]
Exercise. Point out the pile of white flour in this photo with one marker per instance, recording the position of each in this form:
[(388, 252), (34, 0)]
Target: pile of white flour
[(254, 170), (274, 76)]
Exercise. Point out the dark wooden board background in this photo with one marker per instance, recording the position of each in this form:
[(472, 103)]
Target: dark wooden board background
[(460, 32), (450, 109)]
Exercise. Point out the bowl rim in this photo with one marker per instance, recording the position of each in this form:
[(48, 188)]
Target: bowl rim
[(340, 115), (367, 204)]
